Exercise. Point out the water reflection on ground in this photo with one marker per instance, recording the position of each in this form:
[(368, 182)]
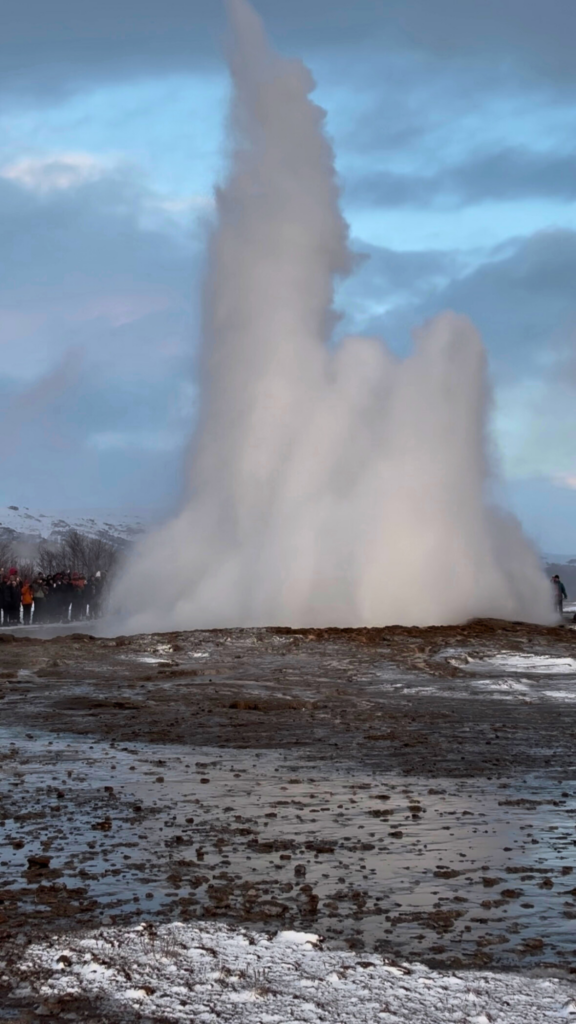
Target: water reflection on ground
[(450, 871)]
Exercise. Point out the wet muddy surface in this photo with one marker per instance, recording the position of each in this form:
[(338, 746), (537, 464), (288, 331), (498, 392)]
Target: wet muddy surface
[(407, 792)]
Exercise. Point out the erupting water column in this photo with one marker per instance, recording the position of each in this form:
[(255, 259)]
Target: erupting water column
[(327, 486)]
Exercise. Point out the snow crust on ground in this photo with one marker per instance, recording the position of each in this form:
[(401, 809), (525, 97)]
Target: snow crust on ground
[(221, 974), (516, 686), (540, 664)]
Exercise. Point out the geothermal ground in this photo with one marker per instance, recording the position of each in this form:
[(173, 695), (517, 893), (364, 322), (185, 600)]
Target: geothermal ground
[(406, 794)]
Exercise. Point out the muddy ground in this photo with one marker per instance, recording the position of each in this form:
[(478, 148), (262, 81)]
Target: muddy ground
[(390, 699), (396, 790)]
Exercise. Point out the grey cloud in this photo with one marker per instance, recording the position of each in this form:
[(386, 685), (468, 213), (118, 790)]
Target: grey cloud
[(388, 278), (511, 173), (94, 226), (531, 33), (98, 310), (55, 458), (404, 271), (514, 174), (64, 44), (523, 302), (82, 269)]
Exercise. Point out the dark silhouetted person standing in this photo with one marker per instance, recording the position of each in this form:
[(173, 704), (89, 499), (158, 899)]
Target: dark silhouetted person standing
[(560, 595)]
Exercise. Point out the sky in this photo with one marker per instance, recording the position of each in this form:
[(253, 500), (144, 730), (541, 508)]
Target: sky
[(453, 124)]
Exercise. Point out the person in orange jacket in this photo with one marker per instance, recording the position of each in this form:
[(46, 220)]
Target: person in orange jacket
[(27, 598)]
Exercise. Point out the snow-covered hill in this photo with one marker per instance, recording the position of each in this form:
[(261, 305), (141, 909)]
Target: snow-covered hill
[(20, 523)]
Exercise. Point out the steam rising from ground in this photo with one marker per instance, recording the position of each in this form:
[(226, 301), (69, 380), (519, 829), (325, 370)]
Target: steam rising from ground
[(328, 486)]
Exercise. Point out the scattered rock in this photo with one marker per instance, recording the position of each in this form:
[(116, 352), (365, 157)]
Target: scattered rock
[(39, 861)]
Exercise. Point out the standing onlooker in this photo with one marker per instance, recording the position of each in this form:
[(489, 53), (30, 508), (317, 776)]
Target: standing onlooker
[(12, 596), (54, 598), (66, 591), (96, 596), (78, 597), (3, 599), (39, 594), (560, 595), (27, 598)]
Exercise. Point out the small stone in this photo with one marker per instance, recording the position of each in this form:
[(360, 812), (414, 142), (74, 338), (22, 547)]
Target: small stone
[(40, 861)]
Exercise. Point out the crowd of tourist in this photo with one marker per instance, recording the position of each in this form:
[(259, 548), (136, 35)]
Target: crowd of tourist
[(62, 597)]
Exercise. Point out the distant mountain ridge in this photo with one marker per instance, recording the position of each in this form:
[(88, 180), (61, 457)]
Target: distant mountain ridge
[(21, 525)]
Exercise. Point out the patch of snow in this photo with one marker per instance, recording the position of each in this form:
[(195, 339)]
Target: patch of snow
[(298, 938), (502, 685), (532, 664), (568, 696), (212, 973)]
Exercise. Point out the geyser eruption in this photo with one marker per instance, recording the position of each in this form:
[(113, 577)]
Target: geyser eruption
[(328, 485)]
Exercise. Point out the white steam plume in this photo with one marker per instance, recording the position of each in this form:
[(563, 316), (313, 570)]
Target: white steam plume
[(328, 486)]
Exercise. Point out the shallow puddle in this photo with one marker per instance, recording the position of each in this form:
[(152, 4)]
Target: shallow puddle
[(450, 871)]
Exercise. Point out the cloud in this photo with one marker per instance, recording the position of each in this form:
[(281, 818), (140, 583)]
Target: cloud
[(385, 279), (50, 173), (520, 296), (50, 48), (508, 174), (85, 263), (91, 441), (534, 36), (97, 335)]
